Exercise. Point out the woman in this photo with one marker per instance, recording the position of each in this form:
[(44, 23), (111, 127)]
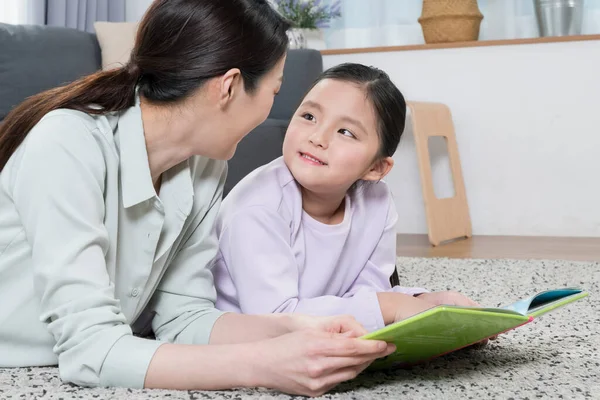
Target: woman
[(109, 188)]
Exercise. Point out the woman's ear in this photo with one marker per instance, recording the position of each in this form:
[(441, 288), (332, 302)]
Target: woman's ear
[(228, 86), (379, 169)]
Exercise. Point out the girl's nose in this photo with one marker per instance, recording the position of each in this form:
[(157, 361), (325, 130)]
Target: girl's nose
[(319, 138)]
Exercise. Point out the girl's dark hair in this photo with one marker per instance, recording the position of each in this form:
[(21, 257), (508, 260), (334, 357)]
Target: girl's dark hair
[(388, 102), (179, 45)]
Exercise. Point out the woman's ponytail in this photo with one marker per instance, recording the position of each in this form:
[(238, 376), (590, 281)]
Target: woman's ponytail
[(102, 92)]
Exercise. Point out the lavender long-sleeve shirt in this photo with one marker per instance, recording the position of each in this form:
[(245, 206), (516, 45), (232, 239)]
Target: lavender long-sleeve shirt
[(275, 258)]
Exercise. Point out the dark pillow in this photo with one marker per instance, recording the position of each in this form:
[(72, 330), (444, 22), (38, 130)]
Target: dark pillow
[(260, 147), (37, 58), (302, 67)]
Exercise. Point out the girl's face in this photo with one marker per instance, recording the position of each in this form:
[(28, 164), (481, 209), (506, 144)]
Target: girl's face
[(332, 139)]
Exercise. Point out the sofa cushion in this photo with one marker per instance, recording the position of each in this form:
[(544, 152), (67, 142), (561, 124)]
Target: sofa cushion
[(301, 68), (116, 40), (37, 58), (260, 147)]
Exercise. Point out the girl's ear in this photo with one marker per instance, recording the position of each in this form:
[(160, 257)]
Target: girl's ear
[(379, 169)]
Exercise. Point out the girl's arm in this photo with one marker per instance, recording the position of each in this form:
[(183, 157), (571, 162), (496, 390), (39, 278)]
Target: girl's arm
[(398, 302), (255, 252)]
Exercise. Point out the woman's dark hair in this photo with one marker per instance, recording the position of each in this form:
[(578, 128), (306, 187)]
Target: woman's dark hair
[(179, 45), (388, 102)]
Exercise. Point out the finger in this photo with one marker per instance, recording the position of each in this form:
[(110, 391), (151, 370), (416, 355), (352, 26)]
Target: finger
[(332, 380), (349, 347), (341, 375), (330, 365), (349, 325), (460, 299), (350, 334), (473, 302), (364, 366)]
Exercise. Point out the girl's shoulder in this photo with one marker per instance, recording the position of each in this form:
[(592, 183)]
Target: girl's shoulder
[(372, 192), (269, 187), (373, 202)]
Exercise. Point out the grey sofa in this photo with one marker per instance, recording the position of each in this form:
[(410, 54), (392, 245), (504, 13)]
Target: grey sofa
[(36, 58)]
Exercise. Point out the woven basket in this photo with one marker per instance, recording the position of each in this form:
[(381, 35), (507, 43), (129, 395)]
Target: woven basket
[(445, 21)]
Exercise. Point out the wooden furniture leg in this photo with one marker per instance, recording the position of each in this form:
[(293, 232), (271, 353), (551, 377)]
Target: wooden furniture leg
[(447, 219)]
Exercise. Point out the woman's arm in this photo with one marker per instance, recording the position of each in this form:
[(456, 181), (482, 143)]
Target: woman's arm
[(57, 185), (307, 362)]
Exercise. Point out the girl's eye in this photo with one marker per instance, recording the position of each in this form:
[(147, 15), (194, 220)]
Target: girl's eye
[(308, 117), (346, 132)]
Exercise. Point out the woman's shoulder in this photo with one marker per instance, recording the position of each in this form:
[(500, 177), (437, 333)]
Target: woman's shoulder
[(62, 132), (72, 121), (64, 141), (71, 129)]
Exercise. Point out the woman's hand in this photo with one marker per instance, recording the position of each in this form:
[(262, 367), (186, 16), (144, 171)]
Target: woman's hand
[(310, 362)]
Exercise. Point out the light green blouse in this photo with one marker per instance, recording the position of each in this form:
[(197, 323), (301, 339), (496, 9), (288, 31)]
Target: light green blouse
[(89, 253)]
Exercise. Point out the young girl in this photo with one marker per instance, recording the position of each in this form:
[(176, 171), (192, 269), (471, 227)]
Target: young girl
[(313, 232)]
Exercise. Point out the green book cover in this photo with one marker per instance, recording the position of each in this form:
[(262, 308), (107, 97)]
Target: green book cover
[(443, 329)]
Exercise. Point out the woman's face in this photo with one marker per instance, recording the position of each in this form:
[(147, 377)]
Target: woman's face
[(246, 111)]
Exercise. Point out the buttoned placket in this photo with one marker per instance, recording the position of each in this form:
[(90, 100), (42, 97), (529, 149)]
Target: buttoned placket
[(173, 209), (147, 238)]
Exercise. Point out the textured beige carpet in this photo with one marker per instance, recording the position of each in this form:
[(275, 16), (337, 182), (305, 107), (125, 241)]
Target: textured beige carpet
[(556, 356)]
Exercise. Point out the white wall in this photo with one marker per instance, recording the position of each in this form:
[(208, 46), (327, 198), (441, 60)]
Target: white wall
[(527, 120), (135, 9)]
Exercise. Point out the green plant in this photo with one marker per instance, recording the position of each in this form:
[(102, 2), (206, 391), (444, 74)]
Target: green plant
[(309, 14)]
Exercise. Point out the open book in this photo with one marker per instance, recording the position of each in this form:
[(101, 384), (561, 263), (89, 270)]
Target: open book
[(443, 329)]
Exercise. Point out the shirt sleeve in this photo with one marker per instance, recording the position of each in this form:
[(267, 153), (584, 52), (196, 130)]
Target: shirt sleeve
[(57, 189), (184, 302), (381, 264), (255, 247)]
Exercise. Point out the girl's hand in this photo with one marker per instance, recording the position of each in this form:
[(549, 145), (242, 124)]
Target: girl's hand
[(345, 324), (449, 298), (452, 298), (398, 306), (311, 362)]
